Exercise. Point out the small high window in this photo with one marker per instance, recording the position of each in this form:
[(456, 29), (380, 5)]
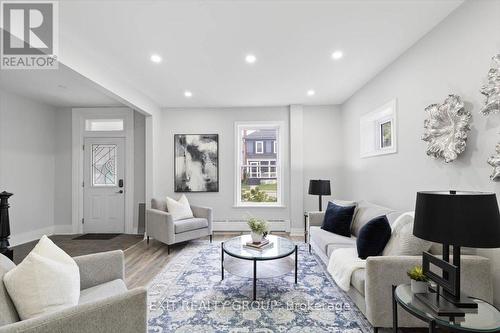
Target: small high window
[(103, 125)]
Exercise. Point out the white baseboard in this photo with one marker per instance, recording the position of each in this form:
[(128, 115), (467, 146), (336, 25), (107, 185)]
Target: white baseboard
[(297, 232), (242, 226), (63, 229), (25, 237)]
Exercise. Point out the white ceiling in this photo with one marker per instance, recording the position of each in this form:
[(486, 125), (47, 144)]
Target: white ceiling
[(61, 88), (203, 45)]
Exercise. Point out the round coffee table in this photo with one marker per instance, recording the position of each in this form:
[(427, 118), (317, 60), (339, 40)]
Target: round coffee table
[(273, 261)]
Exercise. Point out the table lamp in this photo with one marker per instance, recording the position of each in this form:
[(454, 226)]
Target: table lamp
[(319, 187), (456, 218)]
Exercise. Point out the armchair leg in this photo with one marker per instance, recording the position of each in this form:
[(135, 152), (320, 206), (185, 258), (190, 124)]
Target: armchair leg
[(210, 238), (147, 240), (168, 249)]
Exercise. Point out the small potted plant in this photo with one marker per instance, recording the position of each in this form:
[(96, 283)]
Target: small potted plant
[(418, 280), (259, 229)]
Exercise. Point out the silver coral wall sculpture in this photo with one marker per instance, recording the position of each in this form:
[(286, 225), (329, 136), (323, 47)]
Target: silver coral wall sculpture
[(446, 128), (491, 90), (492, 105)]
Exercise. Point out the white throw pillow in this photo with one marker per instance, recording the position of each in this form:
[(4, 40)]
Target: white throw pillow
[(180, 209), (402, 241), (47, 280)]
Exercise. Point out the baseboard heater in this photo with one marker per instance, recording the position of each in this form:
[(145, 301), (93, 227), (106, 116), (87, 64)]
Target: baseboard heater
[(241, 225)]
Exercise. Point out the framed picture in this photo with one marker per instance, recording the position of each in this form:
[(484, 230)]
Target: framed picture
[(196, 163)]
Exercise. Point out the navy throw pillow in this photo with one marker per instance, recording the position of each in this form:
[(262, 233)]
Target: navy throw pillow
[(373, 237), (338, 219)]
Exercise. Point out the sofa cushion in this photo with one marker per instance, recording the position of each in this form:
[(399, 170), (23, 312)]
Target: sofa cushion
[(402, 241), (373, 237), (8, 313), (190, 224), (324, 239), (358, 280), (365, 211), (47, 280), (102, 291), (338, 219)]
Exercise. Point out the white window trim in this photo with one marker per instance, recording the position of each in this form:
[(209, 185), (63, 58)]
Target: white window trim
[(370, 130), (274, 147), (279, 167), (261, 145)]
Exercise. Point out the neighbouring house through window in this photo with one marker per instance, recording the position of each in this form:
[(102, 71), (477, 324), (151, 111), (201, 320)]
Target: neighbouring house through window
[(258, 165)]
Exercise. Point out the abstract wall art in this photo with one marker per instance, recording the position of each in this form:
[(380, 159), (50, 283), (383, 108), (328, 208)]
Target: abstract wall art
[(491, 90), (446, 128), (196, 162)]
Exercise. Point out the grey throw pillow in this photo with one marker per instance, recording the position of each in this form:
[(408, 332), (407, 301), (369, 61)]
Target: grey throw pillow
[(403, 242)]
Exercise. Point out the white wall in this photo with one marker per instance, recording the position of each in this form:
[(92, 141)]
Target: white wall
[(139, 163), (320, 133), (62, 190), (323, 151), (27, 164), (453, 58), (217, 121)]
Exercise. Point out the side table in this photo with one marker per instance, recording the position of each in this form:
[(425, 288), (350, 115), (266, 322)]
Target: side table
[(486, 318)]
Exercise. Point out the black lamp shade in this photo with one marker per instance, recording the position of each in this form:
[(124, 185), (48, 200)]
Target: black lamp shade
[(319, 187), (468, 219)]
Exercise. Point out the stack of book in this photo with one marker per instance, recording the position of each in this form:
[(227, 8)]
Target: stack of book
[(265, 244)]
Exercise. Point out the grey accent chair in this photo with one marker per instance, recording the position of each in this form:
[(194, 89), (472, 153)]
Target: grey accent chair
[(161, 226), (106, 305)]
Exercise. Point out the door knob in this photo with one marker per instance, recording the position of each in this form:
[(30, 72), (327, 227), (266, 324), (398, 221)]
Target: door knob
[(120, 191)]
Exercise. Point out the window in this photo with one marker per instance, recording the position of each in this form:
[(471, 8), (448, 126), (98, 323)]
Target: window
[(258, 181), (386, 134), (259, 147), (378, 131), (104, 165), (94, 125)]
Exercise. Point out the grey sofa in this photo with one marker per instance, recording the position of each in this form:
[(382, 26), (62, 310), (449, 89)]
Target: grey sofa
[(106, 305), (161, 226), (370, 287)]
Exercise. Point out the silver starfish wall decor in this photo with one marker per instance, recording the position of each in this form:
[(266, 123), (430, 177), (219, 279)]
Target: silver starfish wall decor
[(446, 128), (491, 90), (494, 161)]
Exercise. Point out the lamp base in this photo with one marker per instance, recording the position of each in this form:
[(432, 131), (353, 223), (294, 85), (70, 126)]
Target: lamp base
[(440, 305), (463, 301)]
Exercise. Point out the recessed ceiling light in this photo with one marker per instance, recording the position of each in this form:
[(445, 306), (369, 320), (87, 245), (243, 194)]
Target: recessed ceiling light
[(156, 58), (337, 55), (188, 94), (250, 58), (311, 92)]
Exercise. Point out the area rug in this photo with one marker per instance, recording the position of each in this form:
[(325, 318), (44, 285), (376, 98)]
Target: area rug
[(189, 296)]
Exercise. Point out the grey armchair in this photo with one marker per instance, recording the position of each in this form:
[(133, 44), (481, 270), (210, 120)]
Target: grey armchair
[(161, 226), (106, 305)]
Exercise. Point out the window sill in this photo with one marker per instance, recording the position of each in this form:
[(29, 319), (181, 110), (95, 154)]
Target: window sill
[(259, 206)]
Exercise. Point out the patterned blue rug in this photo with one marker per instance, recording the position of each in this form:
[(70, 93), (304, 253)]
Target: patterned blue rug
[(189, 296)]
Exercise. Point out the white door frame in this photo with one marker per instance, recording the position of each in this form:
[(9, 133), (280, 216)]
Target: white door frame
[(79, 115)]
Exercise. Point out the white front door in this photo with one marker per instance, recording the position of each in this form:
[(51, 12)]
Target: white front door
[(103, 185)]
